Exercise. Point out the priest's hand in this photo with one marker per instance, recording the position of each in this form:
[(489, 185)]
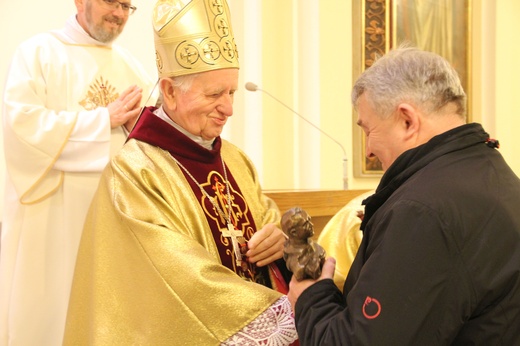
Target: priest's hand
[(126, 109), (266, 245), (296, 287)]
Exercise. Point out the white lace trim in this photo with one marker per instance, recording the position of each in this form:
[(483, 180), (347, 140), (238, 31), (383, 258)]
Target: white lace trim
[(274, 327)]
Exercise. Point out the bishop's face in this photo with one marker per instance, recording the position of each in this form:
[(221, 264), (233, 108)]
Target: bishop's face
[(100, 20), (204, 109)]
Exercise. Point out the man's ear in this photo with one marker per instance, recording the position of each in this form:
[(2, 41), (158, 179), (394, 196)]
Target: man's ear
[(79, 4), (168, 92), (409, 119)]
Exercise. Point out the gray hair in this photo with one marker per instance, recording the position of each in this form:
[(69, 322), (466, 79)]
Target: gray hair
[(407, 74), (183, 82)]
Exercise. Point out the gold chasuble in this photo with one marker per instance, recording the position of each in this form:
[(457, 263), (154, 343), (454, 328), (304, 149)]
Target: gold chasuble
[(153, 266)]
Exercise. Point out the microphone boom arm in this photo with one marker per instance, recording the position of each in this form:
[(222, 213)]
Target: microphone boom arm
[(253, 87)]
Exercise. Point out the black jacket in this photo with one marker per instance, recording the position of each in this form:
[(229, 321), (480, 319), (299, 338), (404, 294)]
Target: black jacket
[(439, 263)]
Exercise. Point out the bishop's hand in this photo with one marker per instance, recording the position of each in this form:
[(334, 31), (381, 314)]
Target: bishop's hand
[(266, 245)]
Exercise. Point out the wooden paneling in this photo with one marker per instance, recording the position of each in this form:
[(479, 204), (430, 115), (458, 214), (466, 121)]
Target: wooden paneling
[(321, 205)]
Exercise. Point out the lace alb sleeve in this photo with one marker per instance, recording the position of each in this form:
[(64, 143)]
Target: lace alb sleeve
[(274, 327)]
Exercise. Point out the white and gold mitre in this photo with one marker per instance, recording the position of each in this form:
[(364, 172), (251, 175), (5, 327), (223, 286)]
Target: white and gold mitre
[(193, 36)]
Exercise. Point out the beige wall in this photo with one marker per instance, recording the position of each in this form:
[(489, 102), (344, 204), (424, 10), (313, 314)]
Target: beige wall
[(284, 54), (301, 52), (507, 94)]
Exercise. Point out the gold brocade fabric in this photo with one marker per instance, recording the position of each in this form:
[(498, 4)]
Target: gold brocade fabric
[(148, 271)]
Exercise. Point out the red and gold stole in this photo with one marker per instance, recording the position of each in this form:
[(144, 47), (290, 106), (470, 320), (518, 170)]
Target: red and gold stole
[(205, 166)]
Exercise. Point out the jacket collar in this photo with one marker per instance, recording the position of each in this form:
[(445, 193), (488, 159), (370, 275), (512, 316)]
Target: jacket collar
[(413, 160)]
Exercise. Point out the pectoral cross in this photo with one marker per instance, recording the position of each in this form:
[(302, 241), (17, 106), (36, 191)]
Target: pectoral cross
[(233, 233)]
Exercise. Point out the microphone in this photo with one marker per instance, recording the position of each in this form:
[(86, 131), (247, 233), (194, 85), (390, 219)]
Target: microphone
[(253, 87)]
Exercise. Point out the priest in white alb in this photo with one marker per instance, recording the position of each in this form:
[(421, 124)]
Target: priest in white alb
[(68, 96)]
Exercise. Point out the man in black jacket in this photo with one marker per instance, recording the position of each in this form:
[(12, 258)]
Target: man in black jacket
[(439, 263)]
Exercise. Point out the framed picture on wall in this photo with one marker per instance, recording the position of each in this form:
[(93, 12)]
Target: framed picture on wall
[(439, 26)]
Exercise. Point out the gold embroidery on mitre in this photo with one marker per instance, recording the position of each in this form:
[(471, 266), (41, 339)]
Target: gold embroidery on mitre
[(100, 94), (193, 36)]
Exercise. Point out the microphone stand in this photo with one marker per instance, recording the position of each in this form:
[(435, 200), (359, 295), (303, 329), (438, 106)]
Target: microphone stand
[(253, 87)]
